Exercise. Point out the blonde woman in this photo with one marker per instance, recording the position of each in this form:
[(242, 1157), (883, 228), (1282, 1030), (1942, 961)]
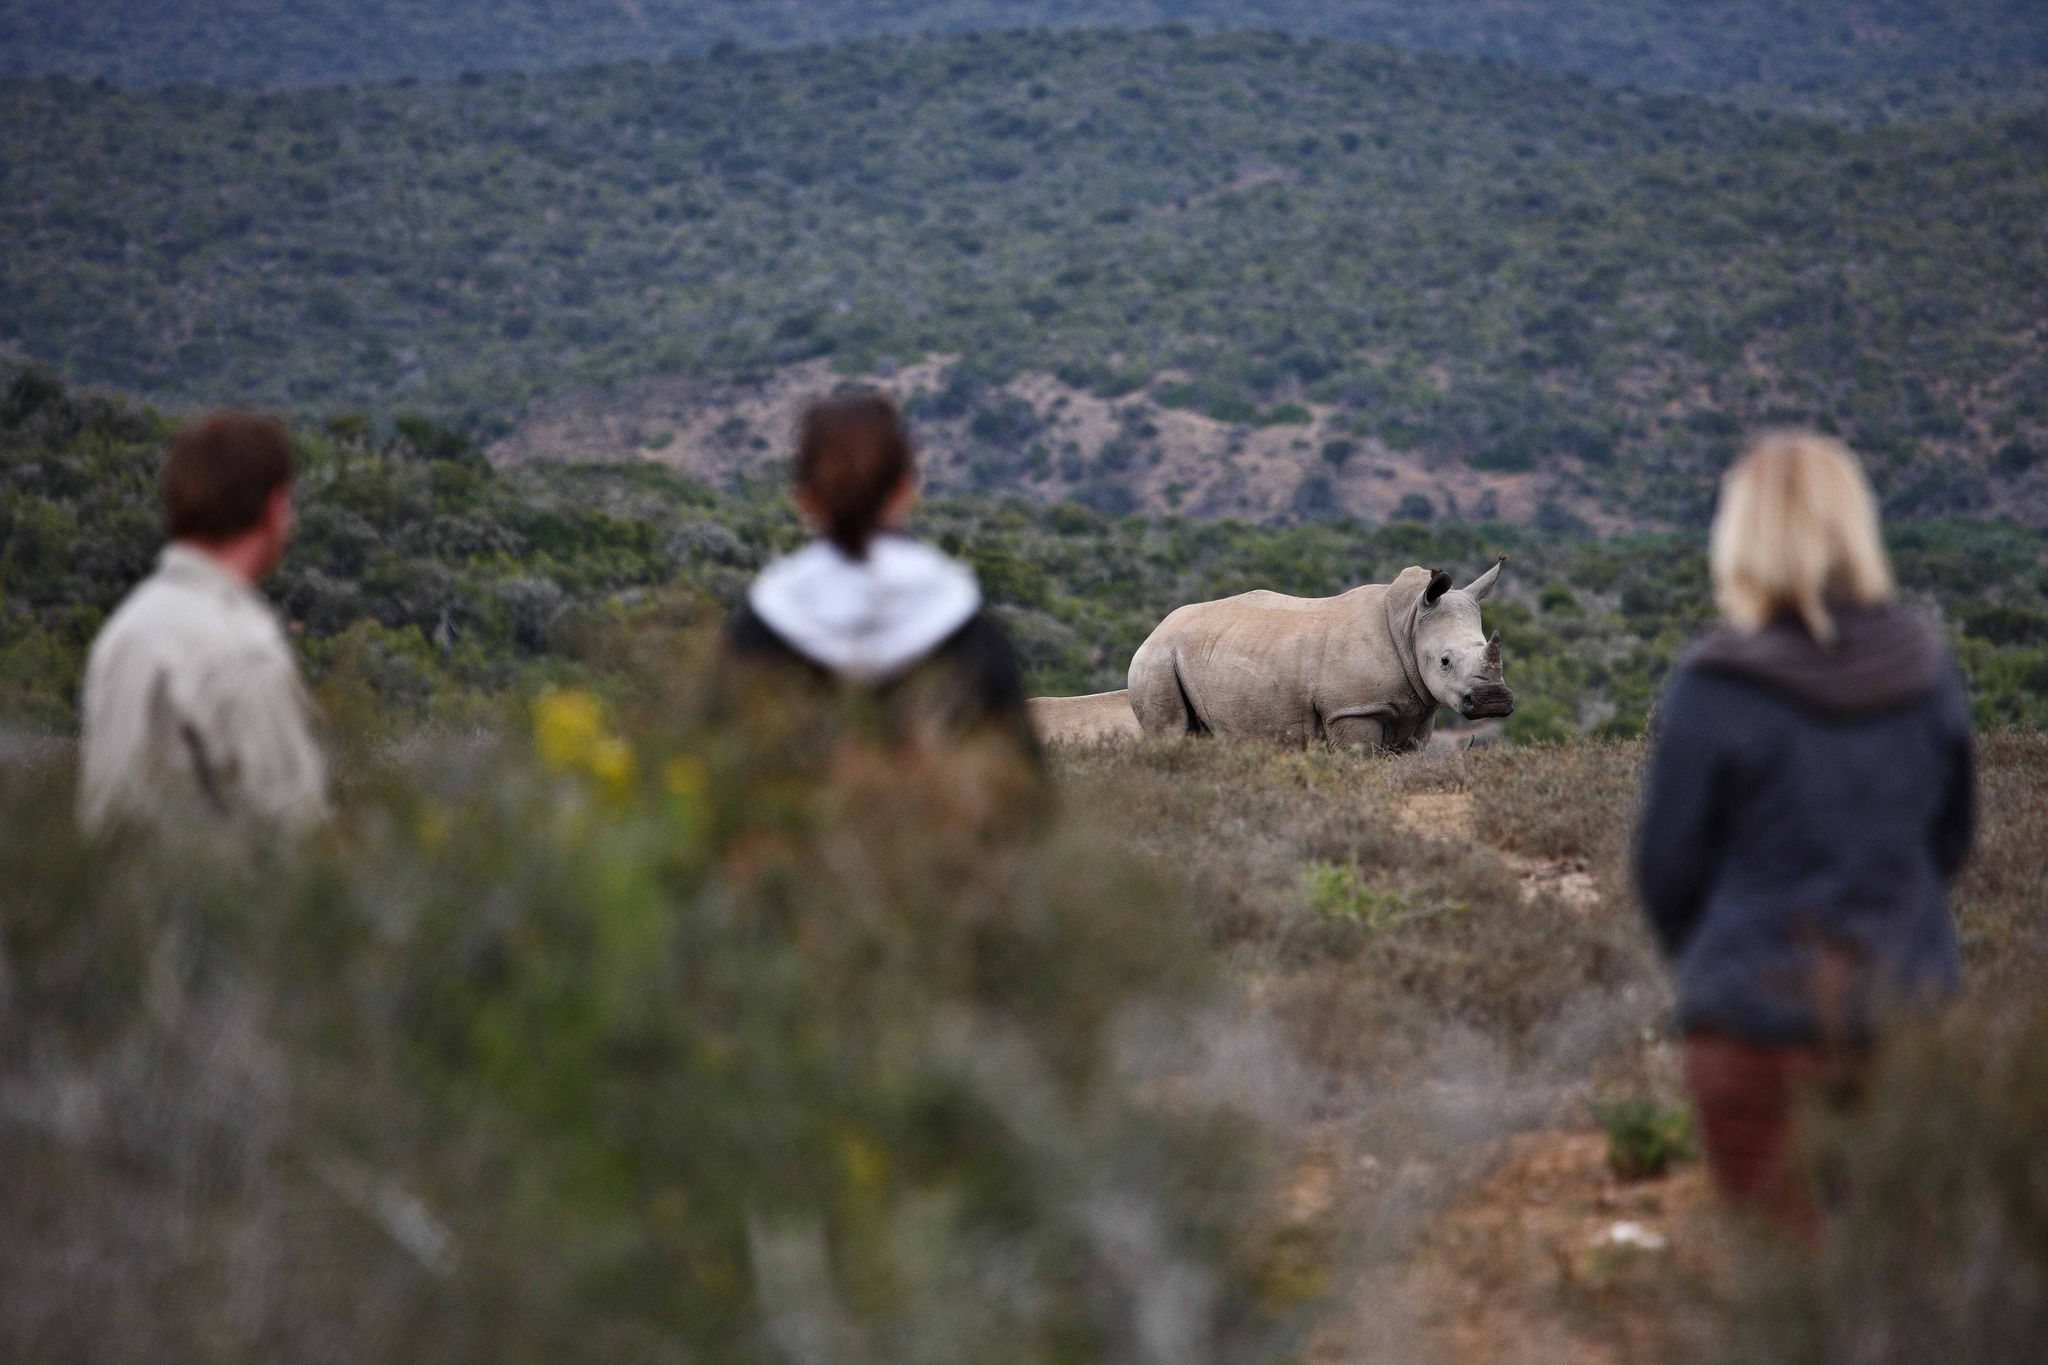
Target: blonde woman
[(1809, 798)]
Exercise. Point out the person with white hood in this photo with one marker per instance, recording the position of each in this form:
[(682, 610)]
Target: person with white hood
[(867, 605)]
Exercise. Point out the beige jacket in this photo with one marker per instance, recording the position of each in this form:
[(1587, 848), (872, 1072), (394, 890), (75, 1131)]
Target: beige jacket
[(194, 712)]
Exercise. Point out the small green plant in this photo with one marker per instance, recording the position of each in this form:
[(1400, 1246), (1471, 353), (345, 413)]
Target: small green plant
[(1340, 891), (1646, 1138)]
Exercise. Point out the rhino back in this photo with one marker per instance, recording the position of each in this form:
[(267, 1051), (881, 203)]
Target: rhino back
[(1268, 664)]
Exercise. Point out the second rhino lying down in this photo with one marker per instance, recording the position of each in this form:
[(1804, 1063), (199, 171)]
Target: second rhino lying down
[(1366, 668)]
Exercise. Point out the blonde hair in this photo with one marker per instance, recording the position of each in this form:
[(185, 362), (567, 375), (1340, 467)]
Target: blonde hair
[(1796, 531)]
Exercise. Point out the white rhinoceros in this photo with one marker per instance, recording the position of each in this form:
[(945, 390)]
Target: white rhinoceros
[(1367, 667)]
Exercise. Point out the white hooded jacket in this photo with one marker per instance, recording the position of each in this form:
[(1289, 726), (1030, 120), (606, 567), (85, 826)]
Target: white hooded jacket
[(866, 619)]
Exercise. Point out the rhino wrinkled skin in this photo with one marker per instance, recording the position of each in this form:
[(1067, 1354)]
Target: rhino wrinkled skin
[(1368, 667)]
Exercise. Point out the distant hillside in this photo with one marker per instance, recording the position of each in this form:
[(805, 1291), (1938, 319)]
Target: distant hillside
[(1465, 264), (1869, 58), (436, 580)]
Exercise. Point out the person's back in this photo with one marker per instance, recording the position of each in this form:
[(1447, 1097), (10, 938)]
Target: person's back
[(866, 605), (1809, 796), (1807, 809), (193, 714)]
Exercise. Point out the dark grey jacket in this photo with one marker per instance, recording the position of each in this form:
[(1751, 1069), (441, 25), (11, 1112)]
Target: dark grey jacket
[(1804, 811)]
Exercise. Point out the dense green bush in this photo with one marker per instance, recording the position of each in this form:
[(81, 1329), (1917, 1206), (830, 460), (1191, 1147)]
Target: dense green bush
[(1468, 260), (437, 582), (1796, 53)]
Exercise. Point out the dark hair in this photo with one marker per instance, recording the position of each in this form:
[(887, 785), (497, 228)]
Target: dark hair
[(220, 474), (852, 456)]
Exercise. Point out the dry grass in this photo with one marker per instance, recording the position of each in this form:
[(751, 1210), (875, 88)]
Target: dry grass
[(2001, 898), (1455, 1053), (1436, 997), (1462, 941)]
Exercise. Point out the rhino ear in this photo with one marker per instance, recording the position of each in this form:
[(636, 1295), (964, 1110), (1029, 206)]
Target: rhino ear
[(1439, 584), (1482, 586)]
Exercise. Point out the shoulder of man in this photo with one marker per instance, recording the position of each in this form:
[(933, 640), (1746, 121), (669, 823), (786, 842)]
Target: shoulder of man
[(187, 629)]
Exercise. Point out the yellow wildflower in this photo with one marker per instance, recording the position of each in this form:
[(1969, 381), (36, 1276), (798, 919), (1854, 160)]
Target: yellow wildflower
[(610, 764), (432, 826), (865, 1162), (684, 776), (567, 727)]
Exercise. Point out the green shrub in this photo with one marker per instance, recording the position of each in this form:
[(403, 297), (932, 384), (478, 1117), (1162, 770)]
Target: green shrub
[(1540, 720), (1341, 891), (1645, 1137)]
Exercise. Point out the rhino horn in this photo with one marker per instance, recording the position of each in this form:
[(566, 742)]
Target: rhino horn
[(1439, 584), (1483, 585)]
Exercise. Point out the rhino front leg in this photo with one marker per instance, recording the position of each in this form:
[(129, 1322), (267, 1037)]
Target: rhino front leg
[(1356, 732), (1419, 740)]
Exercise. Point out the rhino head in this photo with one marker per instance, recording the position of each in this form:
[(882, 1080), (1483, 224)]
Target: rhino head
[(1458, 663)]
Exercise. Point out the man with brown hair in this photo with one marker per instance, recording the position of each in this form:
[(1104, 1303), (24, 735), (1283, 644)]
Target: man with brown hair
[(194, 712)]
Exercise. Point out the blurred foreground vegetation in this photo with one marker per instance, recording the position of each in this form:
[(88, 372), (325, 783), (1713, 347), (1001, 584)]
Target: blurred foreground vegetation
[(656, 1030), (648, 1038), (427, 579)]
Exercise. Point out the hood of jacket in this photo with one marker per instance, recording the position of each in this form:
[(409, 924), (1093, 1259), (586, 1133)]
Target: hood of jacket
[(1882, 657), (867, 619)]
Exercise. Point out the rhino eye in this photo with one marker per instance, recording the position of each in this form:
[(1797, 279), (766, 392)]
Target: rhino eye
[(1446, 662)]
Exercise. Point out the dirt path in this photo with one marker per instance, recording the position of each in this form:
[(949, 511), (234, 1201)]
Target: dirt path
[(1549, 1258), (1554, 1259)]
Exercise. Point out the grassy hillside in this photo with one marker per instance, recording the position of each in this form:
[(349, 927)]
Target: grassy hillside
[(1471, 262), (1877, 57), (433, 584)]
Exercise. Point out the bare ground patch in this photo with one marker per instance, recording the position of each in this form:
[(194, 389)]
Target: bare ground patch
[(1553, 1259), (1073, 443), (1451, 815)]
